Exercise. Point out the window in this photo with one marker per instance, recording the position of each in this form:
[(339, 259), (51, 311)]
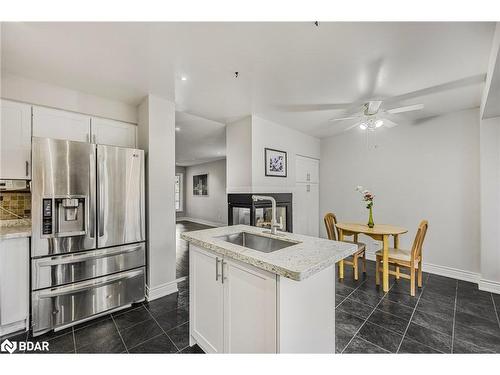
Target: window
[(178, 191)]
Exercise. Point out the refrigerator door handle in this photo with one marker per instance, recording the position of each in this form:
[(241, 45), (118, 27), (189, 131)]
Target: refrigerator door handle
[(100, 220), (93, 255), (91, 284), (92, 198)]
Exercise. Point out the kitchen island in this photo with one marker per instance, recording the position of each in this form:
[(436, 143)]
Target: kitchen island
[(254, 292)]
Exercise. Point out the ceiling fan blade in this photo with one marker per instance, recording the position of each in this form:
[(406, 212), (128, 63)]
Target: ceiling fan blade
[(344, 118), (314, 107), (407, 108), (388, 123), (356, 124), (468, 81)]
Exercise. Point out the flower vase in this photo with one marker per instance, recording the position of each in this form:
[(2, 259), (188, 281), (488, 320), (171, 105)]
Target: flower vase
[(371, 224)]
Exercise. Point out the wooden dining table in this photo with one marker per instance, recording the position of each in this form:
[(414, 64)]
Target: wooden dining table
[(380, 232)]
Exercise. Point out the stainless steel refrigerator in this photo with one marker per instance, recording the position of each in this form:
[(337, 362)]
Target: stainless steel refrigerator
[(88, 231)]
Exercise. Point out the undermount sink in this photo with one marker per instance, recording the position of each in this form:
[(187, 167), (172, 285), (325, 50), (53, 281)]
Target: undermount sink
[(256, 242)]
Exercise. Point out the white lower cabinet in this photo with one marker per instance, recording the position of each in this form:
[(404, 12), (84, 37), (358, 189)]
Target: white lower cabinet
[(206, 301), (249, 309), (14, 285), (232, 305)]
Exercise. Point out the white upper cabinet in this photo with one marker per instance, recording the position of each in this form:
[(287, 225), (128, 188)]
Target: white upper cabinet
[(306, 170), (15, 137), (113, 133), (57, 124)]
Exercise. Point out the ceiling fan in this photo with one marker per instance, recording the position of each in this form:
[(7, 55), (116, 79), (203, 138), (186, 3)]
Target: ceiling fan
[(373, 117), (377, 111)]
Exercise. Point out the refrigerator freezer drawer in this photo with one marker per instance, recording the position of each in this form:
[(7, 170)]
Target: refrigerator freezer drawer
[(68, 304), (64, 269)]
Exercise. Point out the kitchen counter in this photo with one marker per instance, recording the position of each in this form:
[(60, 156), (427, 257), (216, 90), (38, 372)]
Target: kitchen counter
[(18, 228), (297, 262)]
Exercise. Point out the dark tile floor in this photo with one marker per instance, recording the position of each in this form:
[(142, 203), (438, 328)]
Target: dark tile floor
[(159, 326), (182, 257), (446, 316)]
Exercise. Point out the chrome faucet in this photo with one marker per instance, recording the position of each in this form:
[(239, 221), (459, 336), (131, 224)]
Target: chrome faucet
[(274, 223)]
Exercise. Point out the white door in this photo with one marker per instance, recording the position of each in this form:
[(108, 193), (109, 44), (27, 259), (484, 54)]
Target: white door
[(15, 134), (306, 169), (206, 300), (312, 191), (113, 133), (306, 209), (57, 124), (14, 283), (249, 309)]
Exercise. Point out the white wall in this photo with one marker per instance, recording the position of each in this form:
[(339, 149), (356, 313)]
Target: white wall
[(156, 135), (427, 171), (490, 204), (239, 156), (40, 93), (271, 135), (246, 141), (212, 208)]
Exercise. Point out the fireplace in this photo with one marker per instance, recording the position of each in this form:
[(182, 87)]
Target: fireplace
[(243, 210)]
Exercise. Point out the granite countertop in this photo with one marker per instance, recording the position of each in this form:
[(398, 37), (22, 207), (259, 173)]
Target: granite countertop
[(18, 228), (297, 262)]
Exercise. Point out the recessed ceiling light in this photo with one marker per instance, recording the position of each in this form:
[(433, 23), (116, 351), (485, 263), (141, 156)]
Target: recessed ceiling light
[(184, 78), (177, 128)]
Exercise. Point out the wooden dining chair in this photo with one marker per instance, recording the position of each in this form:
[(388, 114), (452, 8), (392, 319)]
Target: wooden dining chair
[(410, 259), (332, 231)]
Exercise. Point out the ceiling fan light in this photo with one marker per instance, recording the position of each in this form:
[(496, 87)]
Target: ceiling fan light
[(379, 123), (363, 126)]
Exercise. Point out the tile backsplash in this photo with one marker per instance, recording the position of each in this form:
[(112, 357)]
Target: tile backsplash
[(14, 205)]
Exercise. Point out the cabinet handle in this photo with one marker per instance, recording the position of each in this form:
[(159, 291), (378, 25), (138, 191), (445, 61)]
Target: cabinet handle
[(27, 168), (216, 269), (222, 267), (308, 177), (308, 188)]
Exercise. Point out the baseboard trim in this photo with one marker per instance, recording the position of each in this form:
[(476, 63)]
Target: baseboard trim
[(454, 273), (14, 327), (201, 221), (489, 286), (161, 290)]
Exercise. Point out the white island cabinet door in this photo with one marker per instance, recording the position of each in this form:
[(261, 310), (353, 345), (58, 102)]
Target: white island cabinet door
[(14, 285), (206, 300), (113, 133), (15, 136), (249, 309), (58, 124)]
